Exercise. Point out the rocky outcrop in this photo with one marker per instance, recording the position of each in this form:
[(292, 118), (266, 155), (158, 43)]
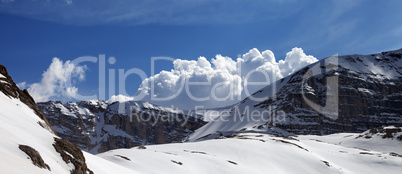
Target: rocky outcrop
[(34, 156), (97, 126), (389, 132), (70, 153)]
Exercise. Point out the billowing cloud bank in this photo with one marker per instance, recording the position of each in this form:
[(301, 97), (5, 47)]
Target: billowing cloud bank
[(220, 82), (56, 81)]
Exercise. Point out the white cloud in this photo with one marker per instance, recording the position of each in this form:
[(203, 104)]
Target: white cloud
[(295, 60), (137, 12), (22, 85), (54, 80), (221, 81), (120, 98)]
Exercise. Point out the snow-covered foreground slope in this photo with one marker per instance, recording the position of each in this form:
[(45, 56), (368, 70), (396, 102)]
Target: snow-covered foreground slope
[(383, 139), (28, 144), (100, 165), (20, 127), (262, 153)]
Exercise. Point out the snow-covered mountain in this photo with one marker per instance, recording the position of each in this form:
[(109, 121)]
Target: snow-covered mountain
[(98, 126), (337, 94)]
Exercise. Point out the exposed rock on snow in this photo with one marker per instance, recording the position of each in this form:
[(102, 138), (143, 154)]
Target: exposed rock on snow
[(71, 154), (34, 156), (391, 132)]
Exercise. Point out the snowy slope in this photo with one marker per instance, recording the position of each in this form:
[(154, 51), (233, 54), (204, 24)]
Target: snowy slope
[(20, 126), (257, 153), (102, 166), (28, 144), (386, 139)]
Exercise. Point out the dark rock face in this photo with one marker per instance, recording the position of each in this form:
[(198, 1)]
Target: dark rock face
[(75, 128), (97, 126), (11, 90), (66, 149), (34, 156), (364, 99)]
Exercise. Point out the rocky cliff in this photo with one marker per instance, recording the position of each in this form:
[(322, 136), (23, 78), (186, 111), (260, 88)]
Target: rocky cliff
[(97, 126)]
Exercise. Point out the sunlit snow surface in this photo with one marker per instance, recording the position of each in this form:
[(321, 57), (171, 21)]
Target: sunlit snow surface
[(262, 153), (19, 125)]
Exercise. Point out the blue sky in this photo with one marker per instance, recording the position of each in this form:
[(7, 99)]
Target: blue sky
[(32, 33)]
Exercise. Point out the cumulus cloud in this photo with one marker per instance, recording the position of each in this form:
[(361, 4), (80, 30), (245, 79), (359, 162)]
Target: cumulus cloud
[(217, 82), (55, 80), (221, 81)]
